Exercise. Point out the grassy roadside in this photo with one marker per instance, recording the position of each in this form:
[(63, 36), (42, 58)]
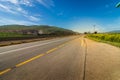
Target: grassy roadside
[(14, 42), (112, 39), (17, 34), (9, 38)]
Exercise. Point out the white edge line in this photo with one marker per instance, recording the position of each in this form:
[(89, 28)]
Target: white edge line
[(28, 47)]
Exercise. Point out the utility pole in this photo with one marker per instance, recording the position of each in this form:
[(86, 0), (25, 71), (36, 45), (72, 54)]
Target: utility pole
[(94, 26), (95, 32)]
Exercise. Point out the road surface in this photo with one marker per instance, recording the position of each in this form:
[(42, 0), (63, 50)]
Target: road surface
[(68, 58)]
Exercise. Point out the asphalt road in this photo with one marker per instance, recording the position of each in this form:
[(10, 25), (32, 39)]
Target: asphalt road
[(68, 58)]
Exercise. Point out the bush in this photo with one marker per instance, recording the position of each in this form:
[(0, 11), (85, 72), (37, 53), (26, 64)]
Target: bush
[(106, 37)]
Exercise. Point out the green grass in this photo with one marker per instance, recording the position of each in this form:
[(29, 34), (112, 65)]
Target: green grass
[(8, 34), (113, 39)]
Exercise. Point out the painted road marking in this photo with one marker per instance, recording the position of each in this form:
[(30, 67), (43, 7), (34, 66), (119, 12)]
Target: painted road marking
[(31, 59), (28, 47), (82, 43), (5, 71), (61, 45), (51, 50)]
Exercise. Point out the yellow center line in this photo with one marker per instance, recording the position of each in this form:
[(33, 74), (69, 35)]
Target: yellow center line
[(51, 50), (82, 43), (25, 62), (61, 45), (5, 71), (34, 58)]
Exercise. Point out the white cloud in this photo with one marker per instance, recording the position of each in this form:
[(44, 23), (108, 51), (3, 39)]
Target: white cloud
[(11, 8), (6, 8), (11, 21), (19, 9), (26, 2), (47, 3), (11, 1), (32, 18), (16, 7), (18, 2)]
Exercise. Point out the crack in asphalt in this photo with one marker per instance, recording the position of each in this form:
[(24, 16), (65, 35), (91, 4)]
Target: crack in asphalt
[(85, 60)]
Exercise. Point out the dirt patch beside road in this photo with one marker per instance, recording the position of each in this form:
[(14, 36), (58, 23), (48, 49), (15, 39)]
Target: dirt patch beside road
[(103, 61)]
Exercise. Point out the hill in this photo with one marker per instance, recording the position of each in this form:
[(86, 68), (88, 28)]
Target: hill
[(15, 34), (115, 31), (45, 29), (8, 32)]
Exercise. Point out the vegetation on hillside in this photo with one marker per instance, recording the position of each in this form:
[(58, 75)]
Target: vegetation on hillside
[(17, 32), (115, 31), (7, 34), (45, 28)]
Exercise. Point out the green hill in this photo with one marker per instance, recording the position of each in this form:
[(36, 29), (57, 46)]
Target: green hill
[(45, 28), (18, 32), (115, 31)]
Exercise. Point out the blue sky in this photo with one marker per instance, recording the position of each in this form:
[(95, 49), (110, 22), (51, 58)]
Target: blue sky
[(78, 15)]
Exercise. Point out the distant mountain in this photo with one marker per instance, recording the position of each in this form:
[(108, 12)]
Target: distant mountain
[(44, 28), (115, 31)]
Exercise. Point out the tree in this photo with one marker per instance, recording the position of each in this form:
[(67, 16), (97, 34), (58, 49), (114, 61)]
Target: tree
[(95, 32), (85, 33)]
